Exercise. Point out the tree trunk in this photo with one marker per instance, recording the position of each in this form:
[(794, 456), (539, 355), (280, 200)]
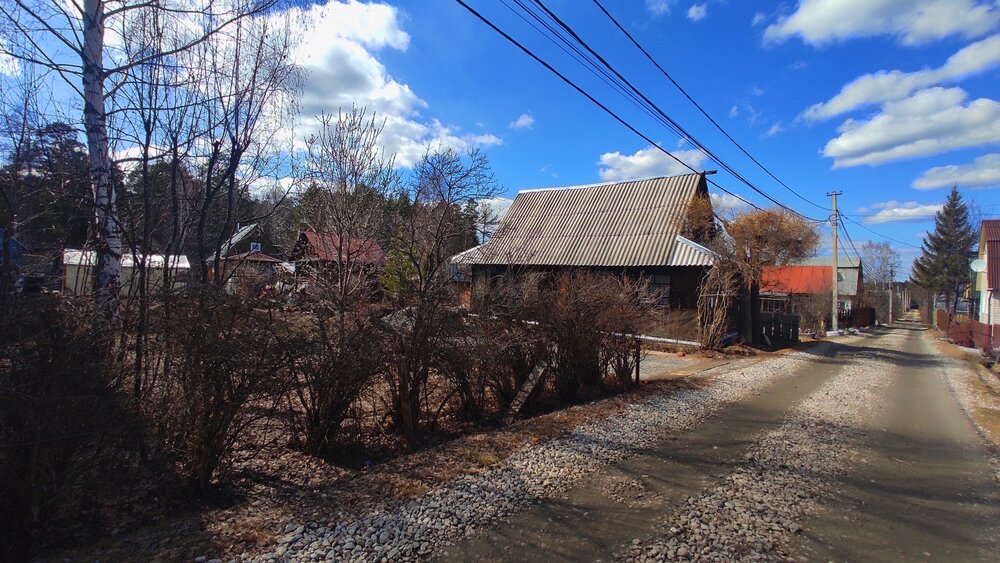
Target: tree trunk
[(109, 246)]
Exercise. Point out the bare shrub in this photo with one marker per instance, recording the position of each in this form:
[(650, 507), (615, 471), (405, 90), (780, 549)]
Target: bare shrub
[(588, 319), (340, 358), (223, 369), (61, 418), (718, 290)]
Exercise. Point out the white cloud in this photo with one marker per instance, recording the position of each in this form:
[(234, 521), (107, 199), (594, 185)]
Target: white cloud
[(893, 211), (497, 205), (932, 121), (775, 130), (884, 86), (982, 172), (913, 22), (8, 64), (756, 91), (659, 7), (697, 12), (724, 203), (342, 70), (758, 18), (525, 121), (647, 163), (734, 111)]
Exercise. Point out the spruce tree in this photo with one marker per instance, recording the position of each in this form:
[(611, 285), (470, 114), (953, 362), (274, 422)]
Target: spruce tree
[(944, 265)]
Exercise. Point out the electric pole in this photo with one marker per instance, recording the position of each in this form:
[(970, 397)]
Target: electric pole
[(892, 276), (834, 221)]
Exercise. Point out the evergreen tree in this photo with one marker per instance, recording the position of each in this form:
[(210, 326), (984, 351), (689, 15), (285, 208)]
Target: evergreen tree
[(943, 268)]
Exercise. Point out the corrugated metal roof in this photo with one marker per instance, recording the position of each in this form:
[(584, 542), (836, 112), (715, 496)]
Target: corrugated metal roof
[(631, 223), (796, 279), (73, 257), (689, 253), (848, 272), (327, 247), (991, 230), (993, 264)]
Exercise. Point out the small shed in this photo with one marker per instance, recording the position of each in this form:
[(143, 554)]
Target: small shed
[(79, 271)]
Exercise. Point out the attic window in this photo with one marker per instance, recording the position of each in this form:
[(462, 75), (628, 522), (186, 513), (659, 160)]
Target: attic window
[(254, 247)]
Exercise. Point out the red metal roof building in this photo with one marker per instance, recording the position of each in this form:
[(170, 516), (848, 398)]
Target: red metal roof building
[(328, 247), (796, 279)]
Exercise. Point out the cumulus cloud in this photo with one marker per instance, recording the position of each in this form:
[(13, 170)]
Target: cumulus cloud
[(758, 18), (982, 172), (8, 64), (697, 12), (659, 7), (893, 211), (497, 206), (913, 22), (725, 203), (339, 56), (884, 86), (525, 121), (775, 129), (647, 163), (932, 121)]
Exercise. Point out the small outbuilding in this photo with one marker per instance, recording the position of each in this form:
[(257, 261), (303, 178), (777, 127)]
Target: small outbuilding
[(79, 270)]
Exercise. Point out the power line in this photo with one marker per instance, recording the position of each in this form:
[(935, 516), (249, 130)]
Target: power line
[(666, 119), (592, 99), (701, 109), (880, 234)]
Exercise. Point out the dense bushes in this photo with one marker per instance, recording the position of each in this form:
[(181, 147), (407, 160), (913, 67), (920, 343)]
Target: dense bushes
[(62, 423), (218, 366)]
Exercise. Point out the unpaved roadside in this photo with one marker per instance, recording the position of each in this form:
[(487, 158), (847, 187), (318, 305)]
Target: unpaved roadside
[(928, 491)]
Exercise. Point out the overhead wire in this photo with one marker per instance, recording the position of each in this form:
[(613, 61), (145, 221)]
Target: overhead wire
[(591, 98), (701, 109), (672, 124)]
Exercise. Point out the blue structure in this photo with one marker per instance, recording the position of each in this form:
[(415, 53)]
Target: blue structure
[(13, 250)]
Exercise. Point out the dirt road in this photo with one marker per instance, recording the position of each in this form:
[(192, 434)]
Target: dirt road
[(861, 454)]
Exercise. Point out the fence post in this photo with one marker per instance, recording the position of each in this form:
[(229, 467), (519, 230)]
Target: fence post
[(638, 358)]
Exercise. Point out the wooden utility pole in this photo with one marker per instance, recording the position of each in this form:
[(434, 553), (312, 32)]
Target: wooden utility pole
[(836, 261), (892, 276)]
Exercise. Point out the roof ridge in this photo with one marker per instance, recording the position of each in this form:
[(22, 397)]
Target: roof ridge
[(608, 183)]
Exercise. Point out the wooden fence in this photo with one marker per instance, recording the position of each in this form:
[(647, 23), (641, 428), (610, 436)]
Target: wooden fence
[(968, 332), (780, 327)]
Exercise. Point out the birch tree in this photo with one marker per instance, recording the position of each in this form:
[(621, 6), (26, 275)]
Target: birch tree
[(72, 40)]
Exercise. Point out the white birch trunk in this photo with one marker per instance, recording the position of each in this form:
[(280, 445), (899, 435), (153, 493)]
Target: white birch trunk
[(109, 247)]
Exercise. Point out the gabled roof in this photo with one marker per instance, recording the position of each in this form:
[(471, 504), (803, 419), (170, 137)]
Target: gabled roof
[(850, 272), (796, 279), (253, 257), (991, 230), (328, 247), (630, 223), (989, 241)]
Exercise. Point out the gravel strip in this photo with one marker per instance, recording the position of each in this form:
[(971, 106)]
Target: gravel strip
[(787, 475), (417, 528), (960, 379)]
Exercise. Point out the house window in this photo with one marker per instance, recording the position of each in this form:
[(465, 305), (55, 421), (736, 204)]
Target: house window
[(773, 305), (254, 247), (659, 289)]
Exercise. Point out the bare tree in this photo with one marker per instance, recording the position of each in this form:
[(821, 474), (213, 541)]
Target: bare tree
[(57, 33), (755, 240), (432, 229)]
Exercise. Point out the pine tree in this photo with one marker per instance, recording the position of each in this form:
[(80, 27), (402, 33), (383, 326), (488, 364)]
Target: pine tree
[(943, 268)]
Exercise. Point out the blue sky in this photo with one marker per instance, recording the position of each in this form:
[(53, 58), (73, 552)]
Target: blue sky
[(889, 101), (759, 68)]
